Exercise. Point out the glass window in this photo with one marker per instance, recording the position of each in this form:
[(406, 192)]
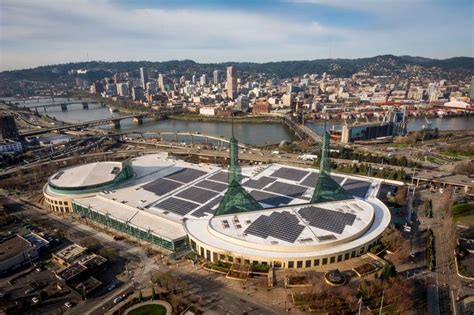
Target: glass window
[(299, 264), (291, 264), (353, 254), (325, 261), (339, 258), (316, 262), (332, 260), (308, 264), (346, 256)]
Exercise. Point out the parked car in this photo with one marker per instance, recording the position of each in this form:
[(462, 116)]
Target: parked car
[(118, 299), (35, 300), (68, 304), (111, 287)]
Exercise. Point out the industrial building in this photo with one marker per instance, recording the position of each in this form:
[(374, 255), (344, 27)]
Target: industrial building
[(273, 214)]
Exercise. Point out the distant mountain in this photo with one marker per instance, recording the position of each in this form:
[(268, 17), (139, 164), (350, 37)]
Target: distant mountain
[(378, 65)]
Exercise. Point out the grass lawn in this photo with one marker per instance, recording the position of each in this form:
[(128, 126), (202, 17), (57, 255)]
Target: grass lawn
[(463, 213), (150, 309)]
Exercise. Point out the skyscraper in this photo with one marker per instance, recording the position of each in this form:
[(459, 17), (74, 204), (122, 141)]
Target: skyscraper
[(231, 82), (161, 82), (143, 77), (471, 93), (215, 76), (203, 79)]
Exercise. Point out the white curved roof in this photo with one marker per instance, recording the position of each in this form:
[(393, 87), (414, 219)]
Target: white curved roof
[(86, 175)]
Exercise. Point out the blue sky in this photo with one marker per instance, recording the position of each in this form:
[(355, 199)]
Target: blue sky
[(39, 32)]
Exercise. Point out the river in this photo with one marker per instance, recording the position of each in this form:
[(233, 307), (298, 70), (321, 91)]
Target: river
[(249, 133)]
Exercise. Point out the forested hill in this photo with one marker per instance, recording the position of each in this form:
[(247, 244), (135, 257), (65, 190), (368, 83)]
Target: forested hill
[(379, 65)]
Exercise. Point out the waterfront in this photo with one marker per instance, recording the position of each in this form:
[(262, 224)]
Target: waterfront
[(249, 133)]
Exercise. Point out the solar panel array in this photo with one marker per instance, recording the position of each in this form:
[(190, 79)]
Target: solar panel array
[(207, 207), (161, 186), (259, 183), (356, 188), (289, 173), (270, 199), (178, 206), (287, 189), (281, 225), (220, 177), (186, 175), (197, 194), (310, 181), (337, 179), (329, 220), (209, 184)]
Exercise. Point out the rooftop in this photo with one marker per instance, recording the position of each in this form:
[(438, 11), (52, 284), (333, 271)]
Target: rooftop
[(70, 252), (86, 175), (13, 246)]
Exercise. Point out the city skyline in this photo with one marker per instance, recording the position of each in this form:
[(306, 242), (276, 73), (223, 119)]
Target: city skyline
[(53, 32)]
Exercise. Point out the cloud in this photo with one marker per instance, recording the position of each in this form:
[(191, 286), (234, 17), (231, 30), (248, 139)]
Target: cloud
[(52, 31)]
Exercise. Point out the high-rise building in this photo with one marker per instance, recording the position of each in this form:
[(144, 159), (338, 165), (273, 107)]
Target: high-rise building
[(123, 89), (203, 79), (471, 93), (143, 77), (193, 79), (215, 76), (161, 82), (231, 82), (137, 93)]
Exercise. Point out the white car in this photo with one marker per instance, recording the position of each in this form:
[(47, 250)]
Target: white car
[(117, 299), (68, 304), (35, 300)]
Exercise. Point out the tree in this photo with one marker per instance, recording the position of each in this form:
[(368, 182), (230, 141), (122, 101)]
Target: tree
[(110, 253), (401, 196), (91, 243)]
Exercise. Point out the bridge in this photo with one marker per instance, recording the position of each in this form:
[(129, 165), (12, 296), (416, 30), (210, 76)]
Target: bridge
[(114, 121), (64, 105), (301, 131)]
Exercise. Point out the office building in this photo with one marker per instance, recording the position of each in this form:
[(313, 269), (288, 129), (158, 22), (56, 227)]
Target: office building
[(231, 82), (143, 77)]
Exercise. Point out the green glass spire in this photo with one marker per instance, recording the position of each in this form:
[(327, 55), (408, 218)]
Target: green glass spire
[(326, 188), (236, 198)]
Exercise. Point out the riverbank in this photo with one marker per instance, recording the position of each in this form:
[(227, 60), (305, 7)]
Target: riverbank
[(238, 119)]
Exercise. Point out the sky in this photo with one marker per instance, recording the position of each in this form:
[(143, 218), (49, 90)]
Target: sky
[(42, 32)]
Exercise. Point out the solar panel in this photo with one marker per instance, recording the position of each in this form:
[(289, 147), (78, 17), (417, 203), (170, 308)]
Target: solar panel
[(207, 208), (289, 173), (178, 206), (287, 189), (259, 183), (270, 199), (186, 175), (356, 188), (329, 220), (284, 226), (220, 177), (161, 186), (337, 179), (310, 181), (197, 194), (209, 184)]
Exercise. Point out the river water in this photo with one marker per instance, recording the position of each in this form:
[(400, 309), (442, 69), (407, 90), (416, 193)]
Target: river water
[(249, 133)]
